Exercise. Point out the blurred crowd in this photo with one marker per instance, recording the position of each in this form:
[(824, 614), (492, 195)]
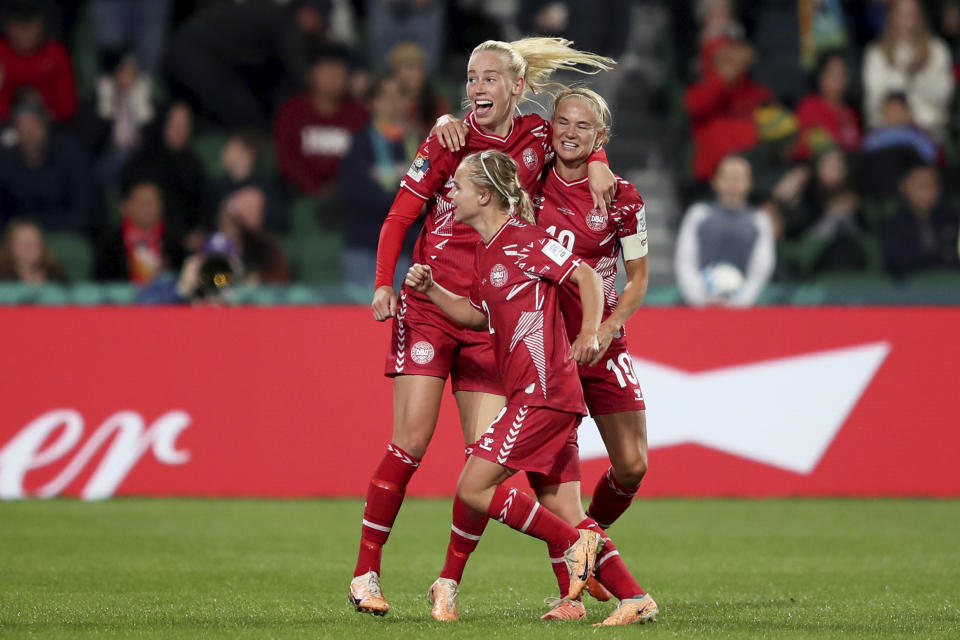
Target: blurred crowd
[(142, 137), (823, 140)]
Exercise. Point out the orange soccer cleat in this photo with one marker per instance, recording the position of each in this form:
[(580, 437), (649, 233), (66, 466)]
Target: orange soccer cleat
[(580, 559), (564, 609), (366, 596), (597, 590), (632, 611), (443, 596)]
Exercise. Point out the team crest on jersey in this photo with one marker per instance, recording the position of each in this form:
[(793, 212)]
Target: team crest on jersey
[(529, 158), (419, 168), (422, 352), (498, 275), (596, 219)]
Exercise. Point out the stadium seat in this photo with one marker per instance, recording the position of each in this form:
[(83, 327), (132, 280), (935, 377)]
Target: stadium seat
[(74, 252)]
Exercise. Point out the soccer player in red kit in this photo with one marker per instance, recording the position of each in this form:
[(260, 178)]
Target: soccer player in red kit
[(426, 346), (581, 125), (518, 273)]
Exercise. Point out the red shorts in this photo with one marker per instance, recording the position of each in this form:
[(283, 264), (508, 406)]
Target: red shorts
[(566, 468), (611, 386), (527, 438), (425, 342)]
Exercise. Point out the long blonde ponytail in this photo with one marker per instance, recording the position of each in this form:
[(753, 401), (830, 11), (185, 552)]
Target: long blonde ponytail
[(535, 60)]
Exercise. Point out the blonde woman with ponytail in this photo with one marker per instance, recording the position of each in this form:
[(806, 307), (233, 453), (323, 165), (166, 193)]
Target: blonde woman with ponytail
[(518, 270), (427, 347)]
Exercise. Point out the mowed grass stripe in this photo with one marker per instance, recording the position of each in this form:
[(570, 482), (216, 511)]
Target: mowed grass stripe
[(182, 568)]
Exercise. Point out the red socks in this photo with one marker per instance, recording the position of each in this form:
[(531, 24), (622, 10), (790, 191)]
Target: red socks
[(610, 569), (519, 511), (610, 500), (384, 498), (468, 526), (559, 569)]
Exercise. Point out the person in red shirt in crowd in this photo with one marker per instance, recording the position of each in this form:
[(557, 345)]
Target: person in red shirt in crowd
[(518, 273), (825, 118), (313, 131), (721, 106), (426, 347), (30, 61)]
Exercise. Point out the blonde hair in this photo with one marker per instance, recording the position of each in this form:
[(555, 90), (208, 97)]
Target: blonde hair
[(497, 172), (604, 119), (535, 60), (920, 39)]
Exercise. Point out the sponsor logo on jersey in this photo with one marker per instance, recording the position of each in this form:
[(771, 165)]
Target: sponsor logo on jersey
[(422, 352), (498, 275), (566, 212), (529, 158), (596, 219), (556, 252), (418, 168)]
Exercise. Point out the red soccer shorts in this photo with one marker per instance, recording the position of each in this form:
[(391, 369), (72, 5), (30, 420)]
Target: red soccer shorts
[(566, 467), (611, 386), (425, 342), (527, 438)]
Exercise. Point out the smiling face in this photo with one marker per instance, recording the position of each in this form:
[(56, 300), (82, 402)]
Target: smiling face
[(577, 130), (466, 198), (492, 90)]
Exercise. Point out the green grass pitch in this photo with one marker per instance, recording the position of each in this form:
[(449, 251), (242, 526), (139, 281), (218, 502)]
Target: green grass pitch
[(131, 568)]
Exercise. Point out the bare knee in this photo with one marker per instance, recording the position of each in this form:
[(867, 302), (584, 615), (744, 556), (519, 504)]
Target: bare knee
[(630, 473), (415, 444)]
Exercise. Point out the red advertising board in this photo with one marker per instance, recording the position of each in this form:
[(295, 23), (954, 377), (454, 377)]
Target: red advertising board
[(291, 402)]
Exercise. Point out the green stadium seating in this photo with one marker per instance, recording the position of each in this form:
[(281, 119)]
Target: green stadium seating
[(74, 252)]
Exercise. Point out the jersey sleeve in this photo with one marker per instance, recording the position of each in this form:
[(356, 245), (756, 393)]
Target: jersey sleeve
[(474, 296), (430, 169), (631, 221), (547, 258)]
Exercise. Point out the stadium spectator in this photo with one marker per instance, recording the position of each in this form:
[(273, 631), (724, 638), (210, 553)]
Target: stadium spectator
[(45, 175), (408, 65), (24, 256), (238, 160), (391, 22), (825, 118), (241, 233), (819, 211), (313, 130), (370, 175), (33, 64), (725, 249), (923, 235), (721, 105), (908, 58), (111, 121), (236, 61), (892, 148), (145, 244), (142, 25), (166, 158)]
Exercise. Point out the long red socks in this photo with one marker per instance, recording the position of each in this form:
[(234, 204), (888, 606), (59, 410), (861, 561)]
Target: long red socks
[(610, 500), (384, 498)]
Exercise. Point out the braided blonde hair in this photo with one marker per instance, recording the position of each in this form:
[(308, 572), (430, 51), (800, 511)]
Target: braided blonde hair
[(497, 172), (604, 121), (535, 60)]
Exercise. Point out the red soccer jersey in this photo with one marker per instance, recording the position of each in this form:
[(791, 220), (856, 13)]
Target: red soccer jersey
[(566, 211), (515, 283), (447, 245)]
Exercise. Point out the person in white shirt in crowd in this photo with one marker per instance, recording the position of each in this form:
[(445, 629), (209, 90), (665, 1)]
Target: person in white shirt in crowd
[(909, 58), (725, 250)]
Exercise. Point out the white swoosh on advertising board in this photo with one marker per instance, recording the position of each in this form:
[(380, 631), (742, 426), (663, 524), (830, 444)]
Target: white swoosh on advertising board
[(783, 412)]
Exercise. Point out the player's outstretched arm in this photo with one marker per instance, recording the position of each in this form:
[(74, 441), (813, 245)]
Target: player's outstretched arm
[(631, 299), (420, 279), (586, 348)]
